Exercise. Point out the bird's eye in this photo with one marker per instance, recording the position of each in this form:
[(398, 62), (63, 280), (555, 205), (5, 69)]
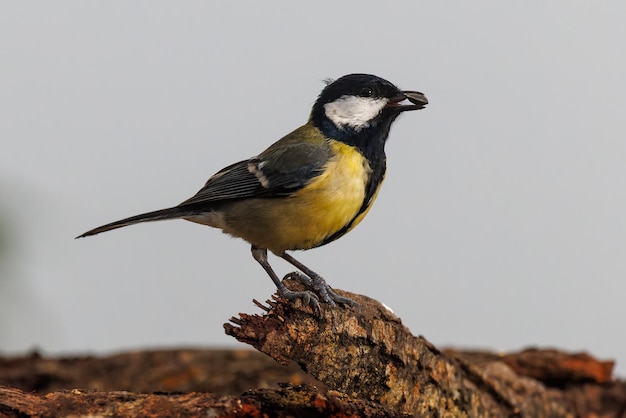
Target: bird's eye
[(366, 92)]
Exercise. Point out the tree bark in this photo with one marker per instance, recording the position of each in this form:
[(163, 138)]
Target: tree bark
[(355, 362)]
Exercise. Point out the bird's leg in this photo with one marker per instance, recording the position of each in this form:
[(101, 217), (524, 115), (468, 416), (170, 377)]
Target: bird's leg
[(316, 281), (309, 298)]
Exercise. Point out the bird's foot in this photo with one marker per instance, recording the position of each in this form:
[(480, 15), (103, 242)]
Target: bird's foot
[(306, 296), (322, 289)]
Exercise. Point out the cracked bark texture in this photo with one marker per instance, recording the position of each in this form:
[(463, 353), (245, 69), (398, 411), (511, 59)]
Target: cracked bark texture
[(368, 353), (358, 363)]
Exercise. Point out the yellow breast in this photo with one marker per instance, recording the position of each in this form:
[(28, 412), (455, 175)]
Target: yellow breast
[(332, 199), (312, 214)]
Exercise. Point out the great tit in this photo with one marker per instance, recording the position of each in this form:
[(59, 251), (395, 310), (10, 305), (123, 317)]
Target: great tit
[(308, 188)]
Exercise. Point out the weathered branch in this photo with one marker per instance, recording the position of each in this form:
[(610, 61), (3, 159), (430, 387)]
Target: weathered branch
[(372, 364), (221, 372), (369, 354), (290, 401)]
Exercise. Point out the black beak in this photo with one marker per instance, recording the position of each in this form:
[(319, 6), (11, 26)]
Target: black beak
[(418, 100)]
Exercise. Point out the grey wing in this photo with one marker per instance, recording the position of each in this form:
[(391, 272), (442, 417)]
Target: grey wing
[(276, 172), (232, 182)]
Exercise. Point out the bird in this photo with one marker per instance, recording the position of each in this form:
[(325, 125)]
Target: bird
[(307, 189)]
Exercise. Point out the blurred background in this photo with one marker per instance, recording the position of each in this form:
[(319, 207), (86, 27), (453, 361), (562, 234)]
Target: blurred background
[(501, 223)]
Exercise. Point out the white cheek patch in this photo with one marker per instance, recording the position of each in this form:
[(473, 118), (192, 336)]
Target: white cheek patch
[(354, 111)]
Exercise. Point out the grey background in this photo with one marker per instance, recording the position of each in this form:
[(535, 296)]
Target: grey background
[(501, 223)]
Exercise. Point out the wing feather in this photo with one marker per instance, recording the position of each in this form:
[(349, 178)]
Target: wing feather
[(279, 171)]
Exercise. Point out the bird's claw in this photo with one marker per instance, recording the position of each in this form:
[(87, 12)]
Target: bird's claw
[(307, 297), (322, 290)]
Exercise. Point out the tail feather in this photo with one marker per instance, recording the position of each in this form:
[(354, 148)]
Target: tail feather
[(157, 215)]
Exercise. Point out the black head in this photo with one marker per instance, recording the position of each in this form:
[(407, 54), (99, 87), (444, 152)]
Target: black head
[(359, 105)]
